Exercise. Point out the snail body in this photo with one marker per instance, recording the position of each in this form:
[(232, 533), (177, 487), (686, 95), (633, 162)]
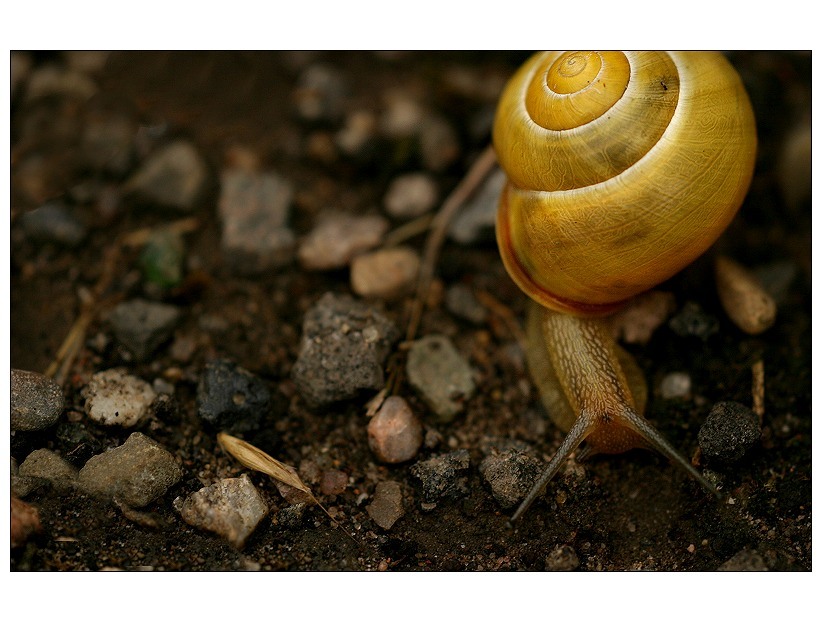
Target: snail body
[(622, 169)]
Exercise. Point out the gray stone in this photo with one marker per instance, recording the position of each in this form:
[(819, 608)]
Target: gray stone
[(254, 211), (410, 195), (729, 432), (53, 222), (442, 477), (386, 508), (174, 176), (562, 559), (338, 238), (48, 465), (143, 326), (441, 376), (692, 321), (115, 398), (231, 398), (320, 94), (394, 432), (135, 473), (477, 219), (36, 401), (231, 508), (745, 561), (460, 300), (676, 385), (342, 351), (511, 475)]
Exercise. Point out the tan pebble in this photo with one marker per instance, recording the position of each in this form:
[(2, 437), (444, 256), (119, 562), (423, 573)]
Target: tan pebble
[(744, 299), (25, 521), (637, 321), (339, 237), (385, 274), (394, 433)]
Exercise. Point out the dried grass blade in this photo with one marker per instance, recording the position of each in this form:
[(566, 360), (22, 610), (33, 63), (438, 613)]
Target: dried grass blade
[(250, 456)]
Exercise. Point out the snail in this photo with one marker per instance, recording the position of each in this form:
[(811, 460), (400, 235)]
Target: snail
[(622, 169)]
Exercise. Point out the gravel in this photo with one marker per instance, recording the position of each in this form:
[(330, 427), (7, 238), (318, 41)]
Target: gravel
[(142, 326), (442, 477), (730, 431), (441, 376), (36, 401), (386, 508), (394, 432), (114, 397), (231, 398), (174, 177)]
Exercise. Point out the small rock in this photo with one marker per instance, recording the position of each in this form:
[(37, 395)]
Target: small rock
[(342, 350), (50, 80), (108, 142), (48, 465), (745, 560), (442, 476), (729, 432), (692, 321), (676, 385), (511, 475), (460, 300), (143, 326), (394, 432), (174, 177), (387, 274), (53, 222), (320, 94), (441, 376), (410, 195), (135, 473), (643, 314), (333, 482), (25, 522), (291, 516), (115, 398), (254, 211), (439, 144), (386, 508), (743, 297), (36, 401), (477, 219), (231, 508), (562, 559), (338, 238), (162, 258), (402, 116), (358, 136), (231, 398)]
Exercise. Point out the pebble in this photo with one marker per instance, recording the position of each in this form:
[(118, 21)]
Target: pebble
[(291, 516), (321, 94), (676, 385), (441, 376), (338, 238), (743, 297), (387, 274), (333, 482), (386, 508), (562, 559), (25, 522), (53, 222), (439, 143), (443, 476), (50, 80), (394, 432), (162, 259), (410, 195), (692, 321), (745, 560), (643, 314), (511, 475), (476, 221), (115, 398), (174, 176), (254, 211), (461, 301), (135, 473), (358, 137), (402, 116), (231, 398), (232, 508), (108, 142), (36, 401), (342, 351), (729, 432), (48, 465), (142, 326)]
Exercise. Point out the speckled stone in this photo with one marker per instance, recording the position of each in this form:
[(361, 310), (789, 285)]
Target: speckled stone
[(511, 475), (338, 238), (562, 559), (113, 397), (441, 376), (394, 432), (386, 508), (135, 473), (231, 508), (174, 176), (143, 326), (443, 476), (231, 398), (48, 465), (729, 432), (36, 401)]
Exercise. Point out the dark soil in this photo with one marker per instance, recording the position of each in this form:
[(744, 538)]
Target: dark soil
[(629, 511)]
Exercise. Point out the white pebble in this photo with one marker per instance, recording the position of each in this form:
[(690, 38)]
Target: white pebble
[(115, 398)]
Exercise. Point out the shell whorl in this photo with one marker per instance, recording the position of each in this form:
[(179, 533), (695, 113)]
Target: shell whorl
[(622, 167)]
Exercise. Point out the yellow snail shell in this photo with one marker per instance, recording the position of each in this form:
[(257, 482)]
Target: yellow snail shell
[(623, 168)]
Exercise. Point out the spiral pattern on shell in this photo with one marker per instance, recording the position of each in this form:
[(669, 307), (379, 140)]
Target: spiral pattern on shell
[(623, 168)]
